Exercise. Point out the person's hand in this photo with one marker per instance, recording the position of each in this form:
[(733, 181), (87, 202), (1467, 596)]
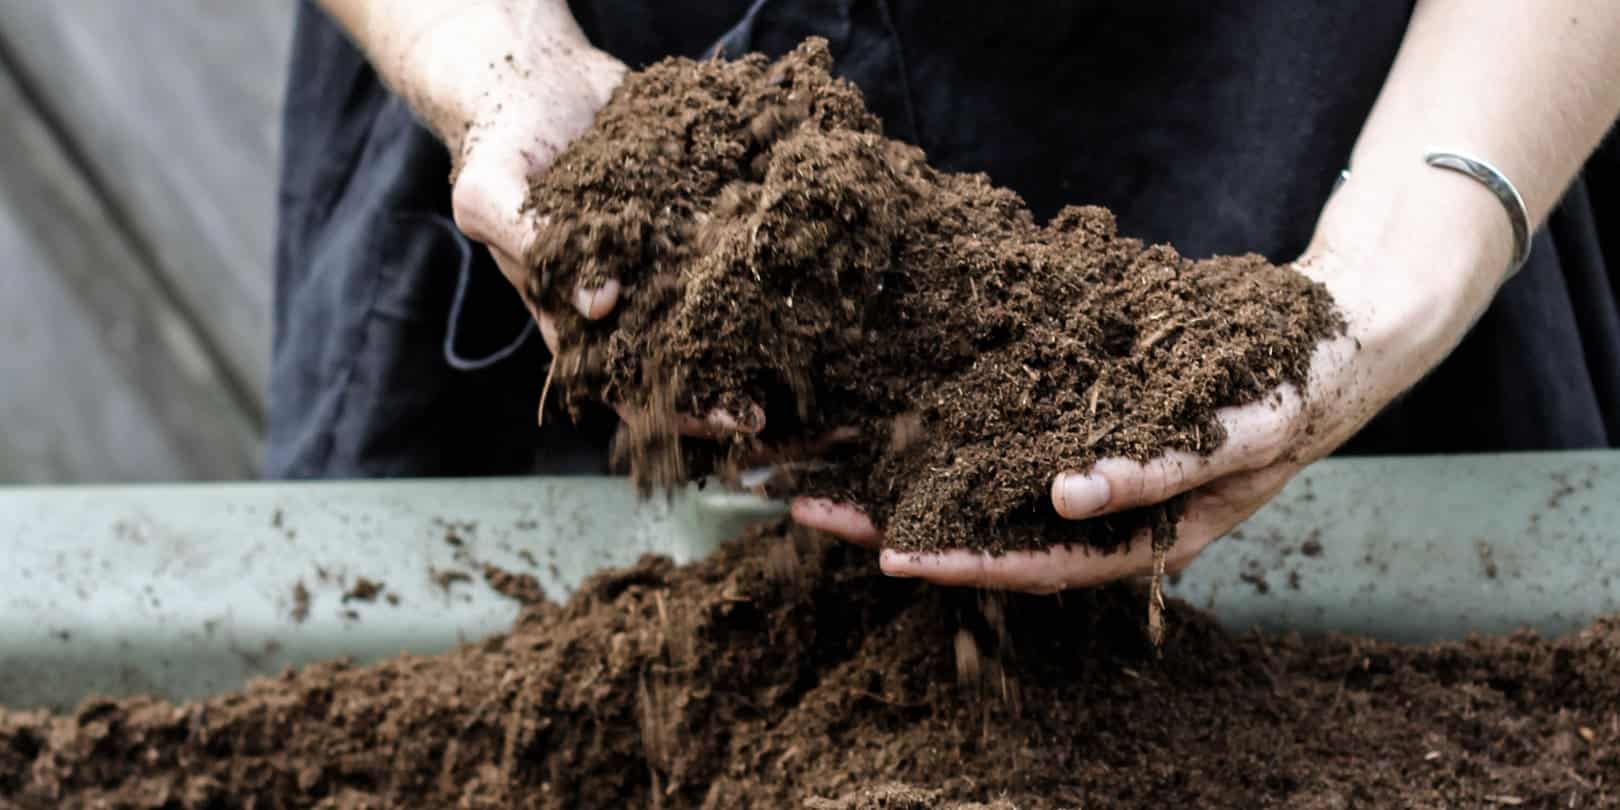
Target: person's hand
[(1411, 271), (507, 86)]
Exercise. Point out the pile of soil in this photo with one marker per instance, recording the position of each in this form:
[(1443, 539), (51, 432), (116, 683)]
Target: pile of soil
[(915, 341), (787, 672)]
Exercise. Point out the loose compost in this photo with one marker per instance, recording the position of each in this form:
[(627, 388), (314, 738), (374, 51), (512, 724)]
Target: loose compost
[(787, 669), (914, 341)]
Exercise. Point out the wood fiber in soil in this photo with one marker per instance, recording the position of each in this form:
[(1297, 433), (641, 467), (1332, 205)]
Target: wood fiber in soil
[(787, 672), (916, 341)]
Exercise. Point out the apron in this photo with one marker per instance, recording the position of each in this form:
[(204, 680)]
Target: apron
[(399, 350)]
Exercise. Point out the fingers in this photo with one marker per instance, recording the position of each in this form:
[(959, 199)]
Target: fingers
[(1257, 435), (487, 202), (838, 519), (1032, 572), (1225, 504), (1210, 513)]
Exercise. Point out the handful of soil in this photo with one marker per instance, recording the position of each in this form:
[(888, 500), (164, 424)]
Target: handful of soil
[(919, 345)]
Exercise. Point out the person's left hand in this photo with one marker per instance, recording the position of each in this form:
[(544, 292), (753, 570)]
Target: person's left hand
[(1407, 298)]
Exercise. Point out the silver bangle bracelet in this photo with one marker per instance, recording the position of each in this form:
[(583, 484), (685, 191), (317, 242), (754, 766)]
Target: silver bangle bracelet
[(1518, 214), (1498, 184)]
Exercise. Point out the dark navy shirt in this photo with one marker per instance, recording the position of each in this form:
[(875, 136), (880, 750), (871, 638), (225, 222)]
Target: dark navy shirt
[(1218, 127)]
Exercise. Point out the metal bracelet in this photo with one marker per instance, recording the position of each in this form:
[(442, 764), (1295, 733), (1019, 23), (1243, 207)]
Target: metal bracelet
[(1497, 182), (1518, 214)]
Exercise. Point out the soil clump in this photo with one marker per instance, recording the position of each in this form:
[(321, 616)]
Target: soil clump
[(914, 341), (524, 589), (786, 672), (365, 589)]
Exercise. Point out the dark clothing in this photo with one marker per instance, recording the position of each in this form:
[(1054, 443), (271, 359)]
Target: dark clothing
[(1217, 127)]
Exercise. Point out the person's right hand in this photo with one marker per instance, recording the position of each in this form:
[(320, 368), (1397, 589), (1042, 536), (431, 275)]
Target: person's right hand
[(507, 86)]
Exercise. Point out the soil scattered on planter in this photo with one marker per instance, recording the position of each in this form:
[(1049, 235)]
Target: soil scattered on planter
[(524, 589), (446, 577), (787, 672), (300, 602), (365, 589), (916, 342)]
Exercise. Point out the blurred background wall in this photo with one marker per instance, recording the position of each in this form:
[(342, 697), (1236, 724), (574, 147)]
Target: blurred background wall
[(136, 206)]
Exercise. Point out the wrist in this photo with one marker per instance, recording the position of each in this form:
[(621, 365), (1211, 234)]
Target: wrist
[(1430, 248), (442, 58), (1447, 229)]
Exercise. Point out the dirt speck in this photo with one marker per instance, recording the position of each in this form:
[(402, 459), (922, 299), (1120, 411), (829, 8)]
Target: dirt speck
[(446, 577), (300, 602), (522, 588), (1257, 579), (1487, 558), (364, 589)]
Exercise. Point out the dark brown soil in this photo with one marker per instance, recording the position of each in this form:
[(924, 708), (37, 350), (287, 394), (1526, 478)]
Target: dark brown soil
[(919, 345), (787, 670)]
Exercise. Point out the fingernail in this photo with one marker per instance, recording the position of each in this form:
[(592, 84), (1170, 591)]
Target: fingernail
[(1078, 496), (893, 564), (596, 302), (585, 300)]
